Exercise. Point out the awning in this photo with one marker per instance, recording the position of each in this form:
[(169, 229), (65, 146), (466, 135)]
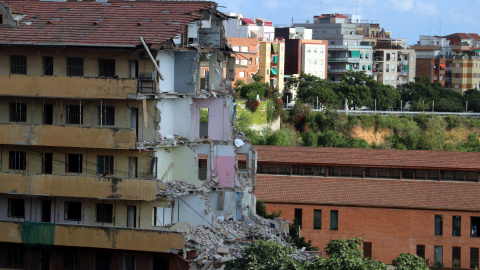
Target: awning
[(367, 55), (351, 67), (443, 66), (364, 67), (248, 21), (275, 59), (274, 71), (406, 68), (355, 53), (369, 67), (361, 55)]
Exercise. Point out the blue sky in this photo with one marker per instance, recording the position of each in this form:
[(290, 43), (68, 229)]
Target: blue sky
[(404, 18)]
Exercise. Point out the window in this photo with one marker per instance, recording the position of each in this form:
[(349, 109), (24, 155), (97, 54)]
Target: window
[(456, 257), (106, 116), (15, 253), (457, 85), (71, 259), (237, 61), (18, 112), (74, 66), (106, 67), (457, 64), (17, 160), (244, 62), (334, 220), (73, 163), (105, 165), (18, 64), (47, 65), (129, 262), (241, 74), (474, 225), (104, 213), (438, 224), (421, 251), (16, 208), (73, 211), (236, 48), (473, 257), (317, 219), (244, 49), (388, 68), (438, 255), (74, 115), (457, 75), (456, 225), (162, 216), (298, 216)]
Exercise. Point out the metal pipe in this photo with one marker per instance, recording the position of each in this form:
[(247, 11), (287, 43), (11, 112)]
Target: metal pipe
[(151, 58)]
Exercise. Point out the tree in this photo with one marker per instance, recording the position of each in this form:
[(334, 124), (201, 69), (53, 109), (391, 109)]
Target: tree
[(265, 255), (312, 87), (472, 96), (261, 210), (424, 95), (409, 262), (299, 242)]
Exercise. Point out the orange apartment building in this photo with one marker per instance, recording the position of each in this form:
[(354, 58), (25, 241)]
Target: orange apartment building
[(246, 54), (419, 202)]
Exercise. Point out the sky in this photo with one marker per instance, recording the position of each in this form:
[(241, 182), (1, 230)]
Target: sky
[(404, 18)]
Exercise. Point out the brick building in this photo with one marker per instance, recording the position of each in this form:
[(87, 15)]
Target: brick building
[(420, 202)]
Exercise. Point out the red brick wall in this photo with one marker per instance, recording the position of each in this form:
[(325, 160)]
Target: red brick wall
[(391, 231)]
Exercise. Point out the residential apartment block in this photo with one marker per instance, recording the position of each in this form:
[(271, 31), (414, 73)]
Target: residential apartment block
[(394, 67), (271, 63), (418, 202), (246, 57), (112, 149)]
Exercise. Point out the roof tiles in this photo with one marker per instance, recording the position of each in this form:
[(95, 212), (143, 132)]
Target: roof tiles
[(369, 192), (116, 23), (368, 157)]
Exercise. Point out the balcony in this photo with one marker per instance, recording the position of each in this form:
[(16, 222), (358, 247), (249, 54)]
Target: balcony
[(403, 73), (337, 70), (78, 186), (93, 236), (67, 87), (349, 59), (67, 136)]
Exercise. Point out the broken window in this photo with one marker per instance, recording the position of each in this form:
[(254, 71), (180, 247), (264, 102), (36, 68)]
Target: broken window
[(104, 213), (105, 165), (17, 160), (162, 216), (106, 67), (421, 251), (132, 167), (131, 216), (47, 65), (438, 224), (18, 64), (16, 208), (298, 216), (204, 115), (242, 161), (74, 66), (317, 219), (202, 167), (73, 211), (106, 115), (456, 225), (334, 220), (73, 163), (74, 115), (18, 112), (474, 226), (473, 257)]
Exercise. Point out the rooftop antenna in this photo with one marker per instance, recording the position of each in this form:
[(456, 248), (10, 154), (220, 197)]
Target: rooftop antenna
[(440, 27)]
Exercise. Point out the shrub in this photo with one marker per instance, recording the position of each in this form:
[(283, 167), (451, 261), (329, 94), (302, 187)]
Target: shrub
[(252, 104), (409, 262), (274, 109), (310, 139)]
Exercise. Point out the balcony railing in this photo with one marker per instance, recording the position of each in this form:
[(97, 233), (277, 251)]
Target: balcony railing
[(67, 87), (78, 186), (92, 236), (344, 59), (64, 136)]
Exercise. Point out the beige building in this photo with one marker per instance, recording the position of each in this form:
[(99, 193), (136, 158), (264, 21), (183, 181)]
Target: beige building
[(394, 67), (271, 63)]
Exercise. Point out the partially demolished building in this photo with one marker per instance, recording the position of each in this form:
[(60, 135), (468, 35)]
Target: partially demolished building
[(114, 152)]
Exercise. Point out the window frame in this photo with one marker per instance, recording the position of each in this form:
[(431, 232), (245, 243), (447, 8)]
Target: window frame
[(106, 68), (106, 169), (106, 115), (75, 66), (438, 225), (437, 260), (68, 209), (317, 219), (334, 225), (298, 215), (68, 161), (17, 155), (75, 117), (13, 208), (104, 213), (18, 64), (17, 112), (457, 229)]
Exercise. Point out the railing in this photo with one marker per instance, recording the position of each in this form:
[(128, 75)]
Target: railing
[(345, 59), (408, 113), (337, 70)]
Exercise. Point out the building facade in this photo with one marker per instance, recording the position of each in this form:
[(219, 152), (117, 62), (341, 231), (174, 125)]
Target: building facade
[(417, 202), (271, 63), (104, 132)]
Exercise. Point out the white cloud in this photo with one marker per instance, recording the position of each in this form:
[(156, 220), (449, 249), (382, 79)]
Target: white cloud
[(403, 5)]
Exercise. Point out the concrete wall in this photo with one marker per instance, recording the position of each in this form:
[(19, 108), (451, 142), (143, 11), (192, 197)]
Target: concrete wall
[(219, 124), (176, 118)]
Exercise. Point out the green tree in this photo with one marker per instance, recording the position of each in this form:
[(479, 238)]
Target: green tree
[(261, 210), (409, 262), (299, 242), (312, 87), (310, 138), (472, 96), (265, 255)]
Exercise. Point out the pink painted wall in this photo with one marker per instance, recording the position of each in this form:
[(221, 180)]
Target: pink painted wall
[(225, 167), (219, 126)]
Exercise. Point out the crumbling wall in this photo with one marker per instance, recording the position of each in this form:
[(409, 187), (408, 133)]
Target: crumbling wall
[(219, 118), (167, 62), (176, 118)]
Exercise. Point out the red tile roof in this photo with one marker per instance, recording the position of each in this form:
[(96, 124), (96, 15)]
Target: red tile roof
[(369, 192), (474, 36), (248, 21), (116, 23), (368, 157), (463, 35)]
